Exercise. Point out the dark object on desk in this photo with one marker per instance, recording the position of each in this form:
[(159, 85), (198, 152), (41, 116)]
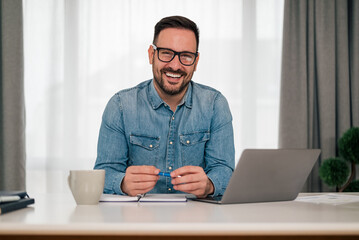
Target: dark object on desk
[(268, 175), (24, 201), (348, 146)]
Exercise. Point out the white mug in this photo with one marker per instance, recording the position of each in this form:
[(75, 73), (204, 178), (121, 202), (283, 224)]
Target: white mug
[(86, 185)]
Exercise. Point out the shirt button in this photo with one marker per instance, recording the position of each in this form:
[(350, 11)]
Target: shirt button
[(169, 168), (151, 146), (171, 142), (169, 189), (188, 142), (173, 118)]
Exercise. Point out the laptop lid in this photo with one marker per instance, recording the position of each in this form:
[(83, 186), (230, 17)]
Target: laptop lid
[(266, 175)]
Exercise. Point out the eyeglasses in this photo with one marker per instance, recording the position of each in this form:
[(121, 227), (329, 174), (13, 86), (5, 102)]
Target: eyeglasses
[(167, 55)]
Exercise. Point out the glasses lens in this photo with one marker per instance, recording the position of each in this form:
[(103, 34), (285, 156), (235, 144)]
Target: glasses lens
[(166, 55), (187, 58)]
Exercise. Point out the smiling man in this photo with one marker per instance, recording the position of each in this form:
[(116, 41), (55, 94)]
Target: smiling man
[(168, 124)]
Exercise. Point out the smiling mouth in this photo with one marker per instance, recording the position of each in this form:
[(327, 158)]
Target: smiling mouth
[(173, 75)]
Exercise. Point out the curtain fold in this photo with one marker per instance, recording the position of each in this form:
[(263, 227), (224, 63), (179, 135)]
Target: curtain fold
[(320, 80), (12, 107)]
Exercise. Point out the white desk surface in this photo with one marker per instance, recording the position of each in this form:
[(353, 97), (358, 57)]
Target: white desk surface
[(58, 214)]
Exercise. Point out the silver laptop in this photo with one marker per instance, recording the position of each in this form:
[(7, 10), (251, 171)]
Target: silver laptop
[(266, 175)]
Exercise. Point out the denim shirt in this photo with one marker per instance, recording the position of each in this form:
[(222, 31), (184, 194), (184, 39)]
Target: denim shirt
[(139, 128)]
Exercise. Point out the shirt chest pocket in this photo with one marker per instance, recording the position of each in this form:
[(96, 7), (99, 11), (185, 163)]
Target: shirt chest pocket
[(193, 147), (143, 149)]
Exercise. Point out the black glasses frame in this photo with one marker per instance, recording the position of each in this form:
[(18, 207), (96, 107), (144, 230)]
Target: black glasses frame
[(175, 54)]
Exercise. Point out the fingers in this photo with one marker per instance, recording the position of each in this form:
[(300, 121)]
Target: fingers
[(199, 189), (142, 170), (140, 188), (193, 180), (133, 188), (191, 188), (139, 174), (186, 170), (188, 174), (189, 179), (139, 179)]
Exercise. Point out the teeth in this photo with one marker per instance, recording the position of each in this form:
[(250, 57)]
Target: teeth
[(173, 75)]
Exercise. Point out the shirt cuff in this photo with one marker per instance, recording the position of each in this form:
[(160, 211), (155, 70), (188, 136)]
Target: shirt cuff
[(216, 186), (117, 184)]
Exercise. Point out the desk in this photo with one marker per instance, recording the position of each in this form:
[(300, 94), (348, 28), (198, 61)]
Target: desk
[(56, 216)]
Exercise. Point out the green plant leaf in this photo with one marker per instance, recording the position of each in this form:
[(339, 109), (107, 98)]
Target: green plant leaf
[(348, 145), (334, 172), (353, 186)]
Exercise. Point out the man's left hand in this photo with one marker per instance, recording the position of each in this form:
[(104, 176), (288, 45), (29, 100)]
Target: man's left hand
[(192, 180)]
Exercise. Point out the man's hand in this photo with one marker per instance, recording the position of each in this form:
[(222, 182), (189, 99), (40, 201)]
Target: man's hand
[(193, 180), (139, 179)]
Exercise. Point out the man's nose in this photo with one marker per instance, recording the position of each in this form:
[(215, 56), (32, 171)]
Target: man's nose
[(175, 63)]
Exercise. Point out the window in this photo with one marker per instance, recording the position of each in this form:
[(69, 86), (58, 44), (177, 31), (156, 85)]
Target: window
[(78, 53)]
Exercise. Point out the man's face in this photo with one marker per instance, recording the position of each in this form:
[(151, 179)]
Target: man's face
[(172, 78)]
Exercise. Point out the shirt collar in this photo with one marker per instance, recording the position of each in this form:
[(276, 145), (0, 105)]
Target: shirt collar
[(156, 101)]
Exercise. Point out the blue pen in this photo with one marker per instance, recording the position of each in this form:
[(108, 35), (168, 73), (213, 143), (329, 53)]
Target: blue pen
[(165, 174)]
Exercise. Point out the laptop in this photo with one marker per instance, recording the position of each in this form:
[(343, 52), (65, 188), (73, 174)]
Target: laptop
[(267, 175)]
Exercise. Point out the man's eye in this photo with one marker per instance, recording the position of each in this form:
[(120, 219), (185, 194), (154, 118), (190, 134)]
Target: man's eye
[(187, 56), (167, 52)]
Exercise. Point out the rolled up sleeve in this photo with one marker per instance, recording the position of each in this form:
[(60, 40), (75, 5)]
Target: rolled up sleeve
[(112, 148), (219, 150)]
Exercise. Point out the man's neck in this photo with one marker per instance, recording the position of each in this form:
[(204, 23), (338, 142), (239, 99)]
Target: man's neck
[(172, 100)]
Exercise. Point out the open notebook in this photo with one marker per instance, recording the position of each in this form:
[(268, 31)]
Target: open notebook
[(144, 198)]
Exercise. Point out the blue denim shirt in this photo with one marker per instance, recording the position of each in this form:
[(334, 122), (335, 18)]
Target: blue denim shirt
[(139, 128)]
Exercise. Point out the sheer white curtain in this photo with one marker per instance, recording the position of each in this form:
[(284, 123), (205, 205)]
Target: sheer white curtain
[(78, 53)]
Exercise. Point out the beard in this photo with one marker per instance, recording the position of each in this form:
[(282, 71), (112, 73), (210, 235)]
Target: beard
[(173, 91)]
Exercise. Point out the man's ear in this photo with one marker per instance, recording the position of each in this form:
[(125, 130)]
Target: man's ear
[(195, 64), (151, 51)]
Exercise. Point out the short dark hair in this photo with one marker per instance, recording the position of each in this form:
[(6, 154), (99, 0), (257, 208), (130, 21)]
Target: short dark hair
[(176, 22)]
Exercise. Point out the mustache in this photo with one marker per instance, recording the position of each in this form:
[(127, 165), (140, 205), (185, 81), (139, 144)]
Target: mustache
[(168, 69)]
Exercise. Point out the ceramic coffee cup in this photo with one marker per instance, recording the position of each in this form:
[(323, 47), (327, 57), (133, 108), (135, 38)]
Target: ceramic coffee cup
[(86, 185)]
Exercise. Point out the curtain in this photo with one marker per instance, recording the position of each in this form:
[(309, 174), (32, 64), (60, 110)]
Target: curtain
[(320, 77), (78, 53), (12, 108)]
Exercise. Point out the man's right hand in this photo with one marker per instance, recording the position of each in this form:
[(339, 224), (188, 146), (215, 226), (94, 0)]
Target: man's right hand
[(139, 179)]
